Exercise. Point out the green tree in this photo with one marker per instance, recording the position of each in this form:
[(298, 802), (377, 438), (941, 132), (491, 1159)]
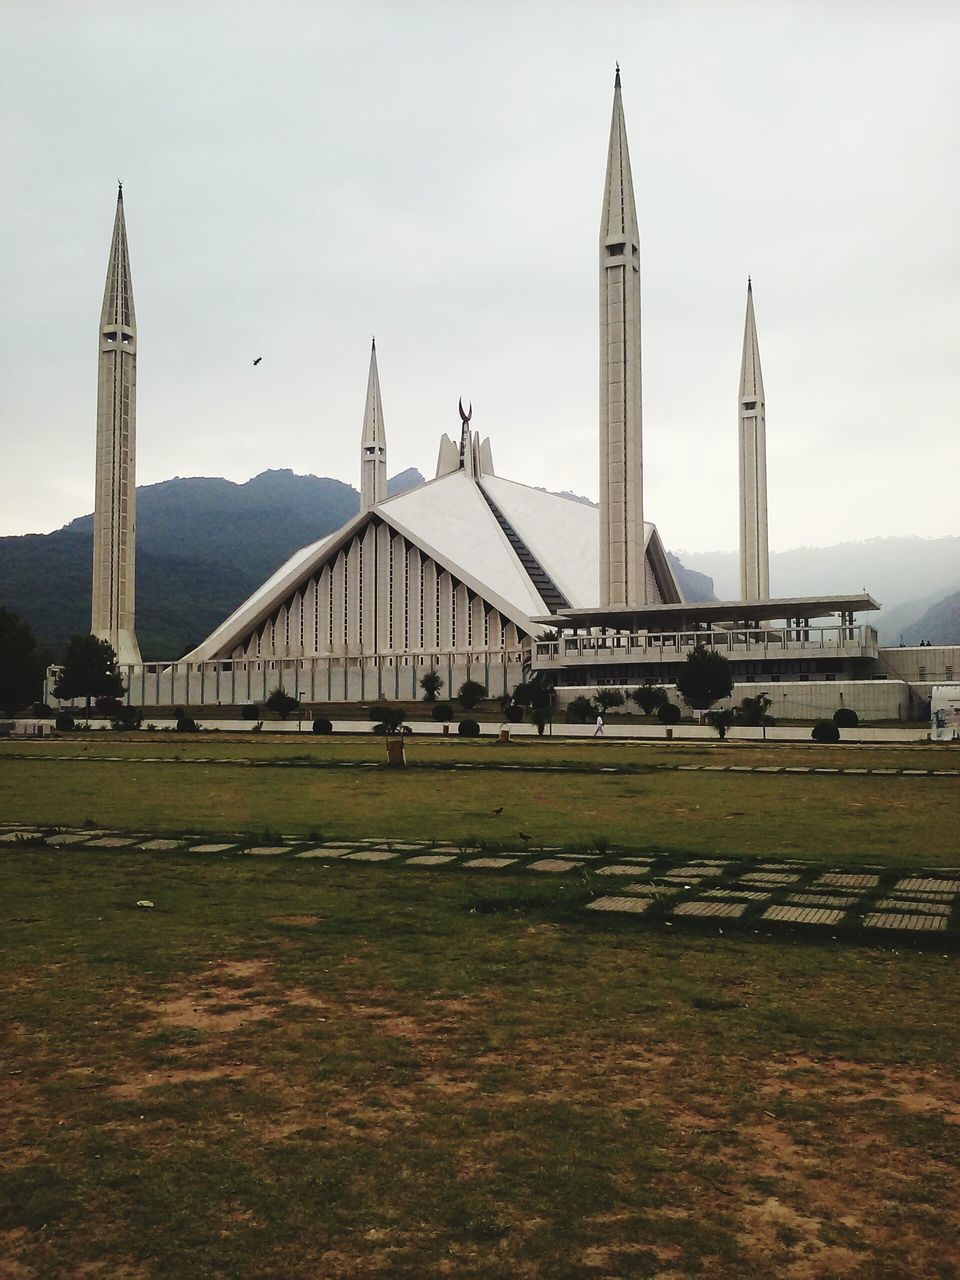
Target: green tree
[(580, 710), (470, 693), (705, 678), (431, 684), (89, 671), (281, 703), (606, 699), (21, 667), (649, 697)]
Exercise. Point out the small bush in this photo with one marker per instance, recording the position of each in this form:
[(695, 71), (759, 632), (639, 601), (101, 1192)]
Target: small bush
[(470, 693), (649, 697), (187, 724), (41, 711), (580, 711), (322, 725), (64, 721), (825, 731), (387, 718), (513, 713), (250, 712), (845, 718), (468, 729), (669, 713), (442, 712), (607, 698), (126, 718)]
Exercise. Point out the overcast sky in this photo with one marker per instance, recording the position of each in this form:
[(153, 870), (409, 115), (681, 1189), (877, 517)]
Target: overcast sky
[(300, 176)]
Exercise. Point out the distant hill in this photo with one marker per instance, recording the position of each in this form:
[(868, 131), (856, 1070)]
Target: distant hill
[(906, 575), (940, 624), (203, 545)]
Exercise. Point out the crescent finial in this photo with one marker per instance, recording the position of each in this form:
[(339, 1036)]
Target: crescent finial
[(465, 417)]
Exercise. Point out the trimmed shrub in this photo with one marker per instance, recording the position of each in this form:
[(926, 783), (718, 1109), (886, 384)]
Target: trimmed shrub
[(64, 721), (322, 725), (187, 724), (442, 712), (669, 713), (825, 731), (468, 729), (250, 712), (649, 698), (845, 718), (41, 711), (387, 718), (513, 713)]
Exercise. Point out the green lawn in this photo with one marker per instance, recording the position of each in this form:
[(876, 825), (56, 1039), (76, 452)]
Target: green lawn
[(309, 1070), (886, 820)]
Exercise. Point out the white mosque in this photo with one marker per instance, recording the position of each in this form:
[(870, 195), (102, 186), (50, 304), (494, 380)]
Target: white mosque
[(473, 575)]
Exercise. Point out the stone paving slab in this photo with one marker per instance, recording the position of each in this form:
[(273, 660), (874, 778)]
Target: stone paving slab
[(430, 859), (334, 851), (618, 869), (370, 855), (212, 848), (161, 846), (483, 863), (752, 895), (803, 915), (909, 908), (772, 878), (913, 923), (918, 884), (18, 837), (725, 910), (694, 869), (266, 850), (840, 880), (819, 900), (635, 905), (117, 842), (553, 864), (67, 839)]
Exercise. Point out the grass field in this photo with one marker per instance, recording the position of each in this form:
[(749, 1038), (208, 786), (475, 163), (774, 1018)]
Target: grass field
[(301, 1070), (906, 821), (309, 1069)]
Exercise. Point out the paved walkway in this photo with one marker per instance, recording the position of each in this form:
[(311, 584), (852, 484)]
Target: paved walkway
[(869, 902), (493, 766)]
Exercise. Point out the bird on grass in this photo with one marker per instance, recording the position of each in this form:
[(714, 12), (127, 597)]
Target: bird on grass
[(257, 361), (497, 812), (523, 835)]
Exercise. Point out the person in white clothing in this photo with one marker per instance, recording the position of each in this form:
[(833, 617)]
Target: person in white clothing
[(598, 731)]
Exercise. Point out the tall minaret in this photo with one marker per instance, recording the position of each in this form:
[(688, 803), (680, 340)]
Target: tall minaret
[(373, 447), (754, 553), (622, 567), (114, 518)]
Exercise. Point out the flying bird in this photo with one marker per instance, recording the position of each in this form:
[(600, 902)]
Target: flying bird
[(257, 361)]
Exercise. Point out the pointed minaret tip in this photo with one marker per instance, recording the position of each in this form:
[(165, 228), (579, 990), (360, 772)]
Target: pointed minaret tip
[(119, 191), (616, 78), (373, 343), (749, 285)]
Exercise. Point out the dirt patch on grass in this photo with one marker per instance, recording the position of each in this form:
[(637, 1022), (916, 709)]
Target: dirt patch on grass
[(301, 922), (219, 1000), (136, 1086), (915, 1092)]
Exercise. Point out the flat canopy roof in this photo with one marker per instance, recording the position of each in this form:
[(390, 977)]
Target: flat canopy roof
[(688, 617)]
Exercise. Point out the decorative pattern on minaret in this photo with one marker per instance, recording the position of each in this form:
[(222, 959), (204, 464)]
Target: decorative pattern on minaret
[(622, 564), (754, 552), (114, 521), (373, 446)]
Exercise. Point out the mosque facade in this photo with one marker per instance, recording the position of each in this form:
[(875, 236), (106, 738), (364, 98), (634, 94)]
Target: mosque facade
[(472, 575)]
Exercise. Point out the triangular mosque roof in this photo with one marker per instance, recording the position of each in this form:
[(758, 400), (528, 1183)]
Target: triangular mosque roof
[(451, 520)]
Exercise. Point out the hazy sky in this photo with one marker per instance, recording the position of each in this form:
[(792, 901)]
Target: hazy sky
[(300, 176)]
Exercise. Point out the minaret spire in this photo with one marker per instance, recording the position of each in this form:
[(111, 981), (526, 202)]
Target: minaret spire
[(114, 521), (754, 552), (373, 446), (622, 562)]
